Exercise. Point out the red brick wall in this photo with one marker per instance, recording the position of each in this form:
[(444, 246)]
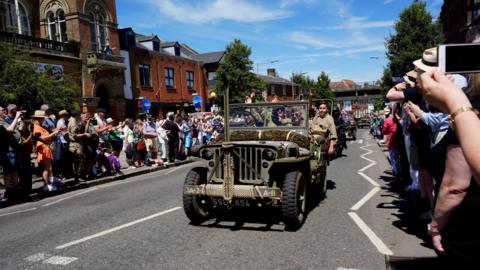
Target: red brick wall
[(279, 92)]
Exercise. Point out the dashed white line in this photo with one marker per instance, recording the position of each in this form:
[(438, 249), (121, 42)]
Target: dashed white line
[(37, 257), (69, 197), (19, 211), (60, 260), (376, 241), (365, 199), (173, 170), (360, 141), (114, 229)]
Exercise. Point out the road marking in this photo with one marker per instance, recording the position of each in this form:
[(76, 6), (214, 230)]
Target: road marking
[(360, 141), (19, 211), (69, 197), (59, 260), (367, 197), (134, 179), (351, 142), (377, 242), (37, 257), (114, 229), (50, 259), (343, 268), (366, 177)]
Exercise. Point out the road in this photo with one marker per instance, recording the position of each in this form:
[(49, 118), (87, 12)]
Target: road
[(138, 223)]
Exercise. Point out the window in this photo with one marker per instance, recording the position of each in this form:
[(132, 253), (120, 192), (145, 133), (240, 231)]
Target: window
[(156, 45), (144, 75), (272, 90), (98, 32), (9, 20), (211, 76), (190, 80), (169, 77), (284, 90), (57, 27)]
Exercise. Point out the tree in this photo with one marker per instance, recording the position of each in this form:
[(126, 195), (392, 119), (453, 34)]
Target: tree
[(235, 72), (305, 83), (415, 32), (322, 87), (22, 83)]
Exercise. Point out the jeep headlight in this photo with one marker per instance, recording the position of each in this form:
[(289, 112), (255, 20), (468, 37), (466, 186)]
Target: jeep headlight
[(207, 154), (268, 155)]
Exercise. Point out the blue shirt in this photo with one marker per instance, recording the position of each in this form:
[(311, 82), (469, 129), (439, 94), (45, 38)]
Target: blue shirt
[(436, 121)]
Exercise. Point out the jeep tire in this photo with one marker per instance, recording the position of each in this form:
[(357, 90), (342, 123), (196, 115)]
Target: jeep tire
[(294, 200), (191, 203)]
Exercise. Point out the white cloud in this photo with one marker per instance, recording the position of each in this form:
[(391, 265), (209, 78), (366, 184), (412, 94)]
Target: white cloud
[(386, 2), (305, 39), (363, 23), (354, 40), (288, 3), (218, 10)]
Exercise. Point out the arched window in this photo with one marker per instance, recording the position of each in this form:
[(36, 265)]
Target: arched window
[(57, 26), (9, 20), (98, 27)]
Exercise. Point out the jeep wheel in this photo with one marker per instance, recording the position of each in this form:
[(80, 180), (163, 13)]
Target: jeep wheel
[(294, 201), (191, 203)]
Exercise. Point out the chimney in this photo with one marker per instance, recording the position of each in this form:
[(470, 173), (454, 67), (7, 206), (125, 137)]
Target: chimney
[(271, 72)]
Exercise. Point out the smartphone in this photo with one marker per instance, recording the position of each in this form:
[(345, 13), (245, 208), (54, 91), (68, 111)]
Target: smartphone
[(459, 58)]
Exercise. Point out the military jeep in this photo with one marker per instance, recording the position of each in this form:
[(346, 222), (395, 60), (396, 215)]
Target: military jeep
[(267, 159)]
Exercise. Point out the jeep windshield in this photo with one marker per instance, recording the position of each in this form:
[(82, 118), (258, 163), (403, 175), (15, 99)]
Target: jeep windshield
[(264, 116)]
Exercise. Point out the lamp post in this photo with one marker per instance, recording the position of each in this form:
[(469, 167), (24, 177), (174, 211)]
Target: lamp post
[(268, 62), (293, 89)]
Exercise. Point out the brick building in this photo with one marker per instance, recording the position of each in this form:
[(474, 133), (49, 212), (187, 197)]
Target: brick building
[(168, 74), (71, 35), (357, 98), (457, 16), (280, 87)]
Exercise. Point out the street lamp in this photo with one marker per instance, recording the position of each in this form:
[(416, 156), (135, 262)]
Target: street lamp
[(293, 89), (269, 62)]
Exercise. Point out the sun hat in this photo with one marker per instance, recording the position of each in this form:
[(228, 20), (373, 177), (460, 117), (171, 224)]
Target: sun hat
[(39, 114), (110, 120), (429, 60), (62, 112), (413, 74)]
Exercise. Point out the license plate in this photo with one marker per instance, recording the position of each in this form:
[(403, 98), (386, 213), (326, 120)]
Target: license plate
[(235, 202)]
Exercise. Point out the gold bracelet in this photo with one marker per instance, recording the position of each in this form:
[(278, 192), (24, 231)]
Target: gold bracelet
[(459, 111)]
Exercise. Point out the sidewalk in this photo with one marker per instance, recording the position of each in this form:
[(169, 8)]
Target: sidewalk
[(70, 184)]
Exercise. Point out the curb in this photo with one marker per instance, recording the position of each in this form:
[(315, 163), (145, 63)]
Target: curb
[(69, 186)]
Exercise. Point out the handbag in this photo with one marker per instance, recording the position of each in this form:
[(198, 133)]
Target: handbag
[(141, 146)]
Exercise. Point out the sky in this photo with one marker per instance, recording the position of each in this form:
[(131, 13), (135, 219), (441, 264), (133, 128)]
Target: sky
[(343, 38)]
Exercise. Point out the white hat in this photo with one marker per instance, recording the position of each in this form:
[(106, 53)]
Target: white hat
[(39, 114), (429, 60)]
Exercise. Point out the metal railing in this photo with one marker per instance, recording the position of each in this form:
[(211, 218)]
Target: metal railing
[(39, 43)]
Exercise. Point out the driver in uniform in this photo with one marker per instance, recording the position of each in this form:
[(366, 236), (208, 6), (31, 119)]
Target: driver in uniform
[(323, 124)]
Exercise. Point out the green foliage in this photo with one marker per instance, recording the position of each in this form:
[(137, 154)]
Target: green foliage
[(304, 83), (415, 32), (25, 85), (322, 88), (235, 72)]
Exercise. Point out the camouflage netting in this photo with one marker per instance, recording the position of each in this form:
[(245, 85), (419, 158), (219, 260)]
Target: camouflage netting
[(270, 135)]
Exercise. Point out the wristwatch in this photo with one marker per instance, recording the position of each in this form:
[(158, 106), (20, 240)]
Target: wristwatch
[(431, 231)]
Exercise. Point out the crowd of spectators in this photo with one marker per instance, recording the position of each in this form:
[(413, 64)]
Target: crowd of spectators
[(431, 128), (82, 146)]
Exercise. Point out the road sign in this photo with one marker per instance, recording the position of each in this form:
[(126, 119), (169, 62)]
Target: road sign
[(146, 104), (197, 101)]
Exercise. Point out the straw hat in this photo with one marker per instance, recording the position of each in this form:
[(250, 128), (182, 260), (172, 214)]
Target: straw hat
[(39, 114), (429, 60), (109, 120), (62, 112)]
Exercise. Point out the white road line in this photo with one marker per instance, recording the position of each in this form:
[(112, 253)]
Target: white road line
[(114, 229), (368, 166), (366, 177), (360, 141), (37, 257), (134, 179), (19, 211), (377, 242), (60, 260), (343, 268), (69, 197), (365, 199)]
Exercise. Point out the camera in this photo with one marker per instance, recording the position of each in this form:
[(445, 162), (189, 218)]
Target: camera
[(94, 122), (459, 58)]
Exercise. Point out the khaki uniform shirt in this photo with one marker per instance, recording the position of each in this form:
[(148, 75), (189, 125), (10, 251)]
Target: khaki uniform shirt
[(324, 124), (73, 129)]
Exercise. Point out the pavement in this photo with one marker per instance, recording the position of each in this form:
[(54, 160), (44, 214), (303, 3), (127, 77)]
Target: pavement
[(71, 185)]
